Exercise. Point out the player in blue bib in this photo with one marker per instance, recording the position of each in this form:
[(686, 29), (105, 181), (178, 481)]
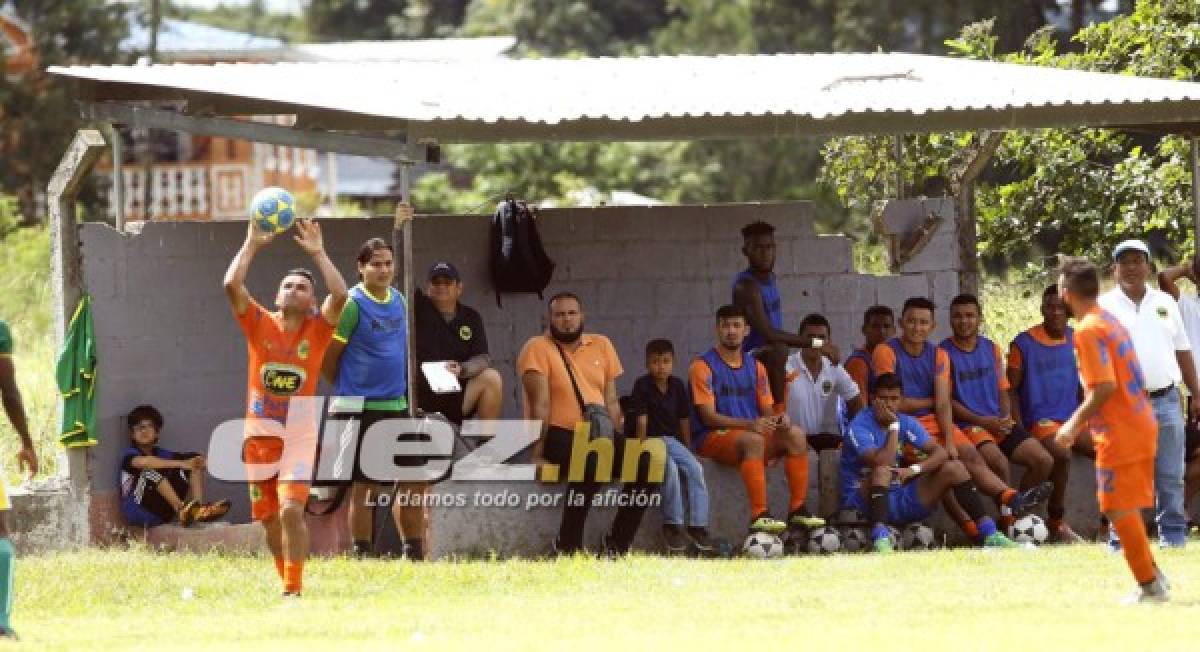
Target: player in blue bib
[(757, 295), (980, 401), (876, 481)]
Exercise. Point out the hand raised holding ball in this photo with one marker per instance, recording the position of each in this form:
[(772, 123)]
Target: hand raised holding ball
[(309, 238)]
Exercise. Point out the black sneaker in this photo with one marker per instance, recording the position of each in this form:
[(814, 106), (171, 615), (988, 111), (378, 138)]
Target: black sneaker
[(7, 632), (1030, 498), (676, 540), (362, 550), (609, 549), (288, 595), (701, 542)]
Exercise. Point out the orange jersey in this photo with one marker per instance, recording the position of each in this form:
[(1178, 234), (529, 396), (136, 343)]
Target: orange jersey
[(280, 364), (1124, 429)]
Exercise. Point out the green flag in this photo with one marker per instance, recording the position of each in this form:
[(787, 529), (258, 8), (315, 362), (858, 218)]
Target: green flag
[(76, 376)]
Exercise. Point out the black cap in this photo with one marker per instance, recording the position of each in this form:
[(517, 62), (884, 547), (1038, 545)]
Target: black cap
[(443, 268)]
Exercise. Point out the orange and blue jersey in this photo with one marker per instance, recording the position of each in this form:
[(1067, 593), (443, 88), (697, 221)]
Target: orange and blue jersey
[(1049, 389), (741, 392), (1123, 429), (858, 365), (977, 376), (917, 373), (772, 305)]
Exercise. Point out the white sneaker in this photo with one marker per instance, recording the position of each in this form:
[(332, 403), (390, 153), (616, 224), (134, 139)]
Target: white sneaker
[(1152, 593)]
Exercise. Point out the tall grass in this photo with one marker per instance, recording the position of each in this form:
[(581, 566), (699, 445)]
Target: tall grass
[(25, 300)]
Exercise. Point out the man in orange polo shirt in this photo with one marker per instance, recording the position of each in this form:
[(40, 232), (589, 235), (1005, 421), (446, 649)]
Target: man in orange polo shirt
[(550, 397), (1117, 412), (284, 350)]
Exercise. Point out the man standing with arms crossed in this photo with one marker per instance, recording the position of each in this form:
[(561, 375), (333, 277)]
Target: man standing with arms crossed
[(284, 350), (1116, 411), (1164, 352)]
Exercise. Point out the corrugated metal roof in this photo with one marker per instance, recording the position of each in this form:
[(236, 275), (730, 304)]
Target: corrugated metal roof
[(659, 98)]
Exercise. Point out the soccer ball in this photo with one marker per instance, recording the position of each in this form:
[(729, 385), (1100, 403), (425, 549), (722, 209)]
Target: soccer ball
[(917, 536), (850, 517), (824, 541), (854, 539), (762, 545), (273, 210), (1029, 529), (795, 541)]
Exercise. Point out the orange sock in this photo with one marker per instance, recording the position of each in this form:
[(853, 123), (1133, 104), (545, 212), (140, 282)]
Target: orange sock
[(778, 409), (1136, 546), (970, 528), (279, 566), (293, 573), (1007, 495), (754, 476), (796, 469)]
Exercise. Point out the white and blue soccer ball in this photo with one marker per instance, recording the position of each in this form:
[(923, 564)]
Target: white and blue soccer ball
[(762, 545), (824, 541), (917, 536), (855, 539), (273, 210), (1029, 529)]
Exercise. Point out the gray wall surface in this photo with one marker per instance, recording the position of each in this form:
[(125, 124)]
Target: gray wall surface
[(167, 337)]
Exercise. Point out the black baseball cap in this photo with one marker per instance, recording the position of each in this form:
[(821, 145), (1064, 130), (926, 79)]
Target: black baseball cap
[(443, 268)]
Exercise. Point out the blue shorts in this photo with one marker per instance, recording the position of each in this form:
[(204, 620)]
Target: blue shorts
[(138, 516), (904, 504)]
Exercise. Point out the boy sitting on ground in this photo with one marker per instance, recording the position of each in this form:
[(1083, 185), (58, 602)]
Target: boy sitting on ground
[(158, 485)]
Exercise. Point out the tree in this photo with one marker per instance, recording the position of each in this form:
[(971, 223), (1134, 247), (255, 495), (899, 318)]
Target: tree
[(381, 20), (38, 116), (1065, 190)]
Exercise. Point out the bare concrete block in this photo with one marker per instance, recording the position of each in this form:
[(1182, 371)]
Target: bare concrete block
[(800, 295), (623, 298), (895, 290), (847, 292), (941, 253), (566, 226), (825, 254), (655, 260), (681, 300), (945, 288), (790, 219), (593, 260), (724, 259)]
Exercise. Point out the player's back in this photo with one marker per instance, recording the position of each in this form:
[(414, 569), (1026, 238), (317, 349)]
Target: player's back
[(1124, 430)]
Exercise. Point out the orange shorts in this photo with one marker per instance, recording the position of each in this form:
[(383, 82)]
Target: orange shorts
[(1124, 487), (721, 446), (1045, 428), (978, 436), (266, 496), (929, 421)]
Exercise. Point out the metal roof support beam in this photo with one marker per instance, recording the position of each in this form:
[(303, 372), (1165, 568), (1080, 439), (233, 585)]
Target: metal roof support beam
[(962, 184), (325, 141), (1196, 193)]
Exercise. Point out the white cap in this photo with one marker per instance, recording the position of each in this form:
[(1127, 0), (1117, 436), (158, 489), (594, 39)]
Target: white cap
[(1131, 245)]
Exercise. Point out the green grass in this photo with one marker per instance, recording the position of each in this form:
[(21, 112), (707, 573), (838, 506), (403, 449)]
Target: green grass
[(1052, 598), (25, 300)]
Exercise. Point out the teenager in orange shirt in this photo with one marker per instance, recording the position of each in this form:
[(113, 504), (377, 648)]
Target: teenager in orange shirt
[(284, 350), (1117, 413)]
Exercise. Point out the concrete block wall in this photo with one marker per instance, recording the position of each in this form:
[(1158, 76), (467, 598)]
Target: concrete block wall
[(166, 337)]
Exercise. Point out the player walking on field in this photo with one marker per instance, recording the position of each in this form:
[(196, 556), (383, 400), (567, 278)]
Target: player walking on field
[(27, 460), (285, 349), (1121, 421)]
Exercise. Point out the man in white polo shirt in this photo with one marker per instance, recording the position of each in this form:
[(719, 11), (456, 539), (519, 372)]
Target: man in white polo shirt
[(1164, 352), (816, 387)]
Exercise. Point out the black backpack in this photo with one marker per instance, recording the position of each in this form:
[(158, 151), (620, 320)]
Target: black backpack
[(518, 261)]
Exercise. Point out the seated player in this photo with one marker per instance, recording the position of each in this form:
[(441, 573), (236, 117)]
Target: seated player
[(876, 481), (737, 427), (1045, 391), (157, 485), (1117, 411), (879, 325), (819, 391), (660, 408), (924, 372), (980, 400)]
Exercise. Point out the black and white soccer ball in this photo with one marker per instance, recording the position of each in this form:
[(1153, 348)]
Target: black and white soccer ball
[(917, 536), (1030, 528), (824, 541), (795, 541), (762, 545), (850, 517), (855, 539)]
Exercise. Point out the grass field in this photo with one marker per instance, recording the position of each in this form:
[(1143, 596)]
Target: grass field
[(1047, 599)]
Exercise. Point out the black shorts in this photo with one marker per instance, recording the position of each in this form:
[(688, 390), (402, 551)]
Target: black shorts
[(350, 430), (1015, 438), (1191, 442)]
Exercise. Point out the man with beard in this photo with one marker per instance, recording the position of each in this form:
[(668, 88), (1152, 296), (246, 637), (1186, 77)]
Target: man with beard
[(1045, 392), (737, 426), (553, 395), (1165, 354), (757, 295)]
